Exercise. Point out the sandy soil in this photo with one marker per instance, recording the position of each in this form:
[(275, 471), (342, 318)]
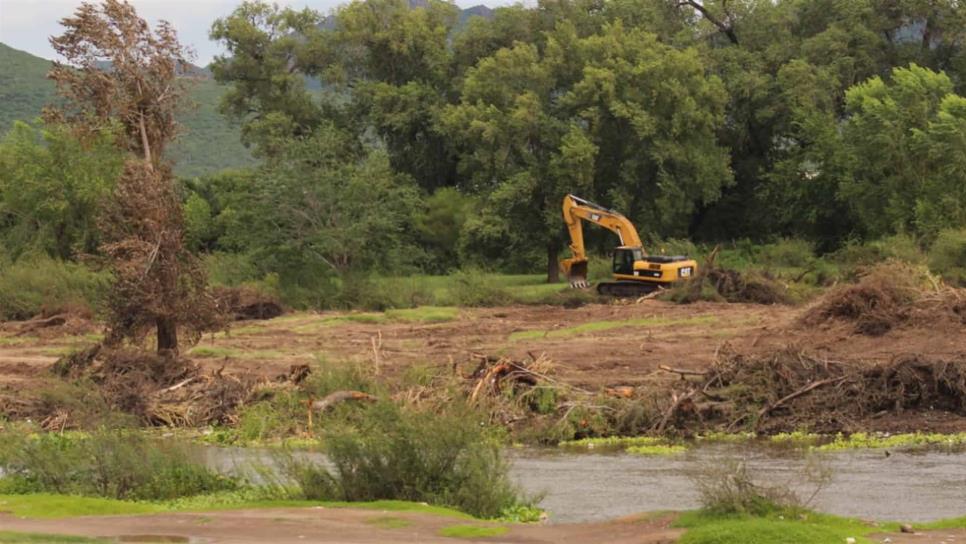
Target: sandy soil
[(331, 526)]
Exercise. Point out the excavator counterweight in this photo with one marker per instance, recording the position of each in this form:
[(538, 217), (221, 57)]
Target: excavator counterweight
[(635, 272)]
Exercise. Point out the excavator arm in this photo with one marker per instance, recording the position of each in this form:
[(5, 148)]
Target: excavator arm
[(576, 210)]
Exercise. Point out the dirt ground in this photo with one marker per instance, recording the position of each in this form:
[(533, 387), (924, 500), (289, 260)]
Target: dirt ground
[(357, 526), (331, 526), (592, 346)]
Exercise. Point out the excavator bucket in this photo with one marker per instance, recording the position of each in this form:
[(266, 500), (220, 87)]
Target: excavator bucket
[(576, 272)]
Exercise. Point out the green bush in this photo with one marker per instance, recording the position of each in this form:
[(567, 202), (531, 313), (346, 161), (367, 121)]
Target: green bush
[(230, 269), (38, 284), (116, 464), (789, 252), (475, 288), (947, 256), (901, 247), (408, 454)]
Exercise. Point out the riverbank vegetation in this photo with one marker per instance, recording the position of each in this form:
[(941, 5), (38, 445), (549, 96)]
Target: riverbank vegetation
[(378, 188)]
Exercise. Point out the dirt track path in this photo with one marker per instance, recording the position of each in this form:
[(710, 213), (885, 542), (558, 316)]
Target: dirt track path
[(331, 526)]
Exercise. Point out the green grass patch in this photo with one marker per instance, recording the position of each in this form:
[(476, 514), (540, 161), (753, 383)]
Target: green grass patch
[(389, 522), (49, 505), (421, 314), (17, 340), (54, 506), (600, 326), (657, 449), (214, 352), (7, 537), (612, 442), (951, 523), (781, 527), (424, 314), (472, 531), (904, 440)]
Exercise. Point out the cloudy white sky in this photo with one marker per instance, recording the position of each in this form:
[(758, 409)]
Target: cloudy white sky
[(26, 24)]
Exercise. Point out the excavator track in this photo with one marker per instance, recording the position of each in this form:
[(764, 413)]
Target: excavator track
[(626, 289)]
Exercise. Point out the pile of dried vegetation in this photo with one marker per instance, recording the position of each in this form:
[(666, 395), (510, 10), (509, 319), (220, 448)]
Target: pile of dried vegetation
[(158, 390), (243, 303), (789, 390), (715, 283), (888, 296)]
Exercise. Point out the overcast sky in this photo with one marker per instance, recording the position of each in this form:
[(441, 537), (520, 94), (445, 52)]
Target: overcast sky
[(26, 24)]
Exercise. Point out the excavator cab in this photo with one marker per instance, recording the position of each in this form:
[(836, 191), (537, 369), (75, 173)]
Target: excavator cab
[(624, 259)]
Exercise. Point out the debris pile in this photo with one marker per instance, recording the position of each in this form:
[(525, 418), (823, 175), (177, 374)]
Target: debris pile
[(889, 296), (715, 283), (159, 390), (244, 303), (788, 390)]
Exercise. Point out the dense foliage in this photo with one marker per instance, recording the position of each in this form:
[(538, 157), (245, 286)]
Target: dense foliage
[(395, 137)]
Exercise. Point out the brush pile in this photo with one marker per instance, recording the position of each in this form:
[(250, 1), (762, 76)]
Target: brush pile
[(158, 390), (788, 390), (244, 303), (718, 284), (889, 296)]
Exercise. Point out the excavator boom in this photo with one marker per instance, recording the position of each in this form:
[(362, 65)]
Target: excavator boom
[(576, 210)]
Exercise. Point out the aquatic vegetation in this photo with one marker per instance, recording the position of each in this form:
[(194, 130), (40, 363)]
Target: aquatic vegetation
[(612, 442), (797, 438), (657, 449), (903, 440)]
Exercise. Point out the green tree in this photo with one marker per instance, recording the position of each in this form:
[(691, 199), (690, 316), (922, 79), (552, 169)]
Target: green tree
[(52, 185), (328, 207), (520, 150), (888, 135), (653, 112), (270, 52)]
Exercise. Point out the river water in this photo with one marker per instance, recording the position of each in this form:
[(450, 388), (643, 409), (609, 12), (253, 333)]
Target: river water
[(867, 484)]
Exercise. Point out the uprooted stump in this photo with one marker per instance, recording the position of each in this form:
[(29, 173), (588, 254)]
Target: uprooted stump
[(887, 297), (244, 303)]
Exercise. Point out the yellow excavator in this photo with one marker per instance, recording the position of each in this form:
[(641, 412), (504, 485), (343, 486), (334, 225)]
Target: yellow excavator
[(635, 272)]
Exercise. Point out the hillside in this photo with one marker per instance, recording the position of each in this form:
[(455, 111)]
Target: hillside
[(210, 142)]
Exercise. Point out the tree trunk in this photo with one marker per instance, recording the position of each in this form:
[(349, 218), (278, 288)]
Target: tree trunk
[(553, 267), (167, 336)]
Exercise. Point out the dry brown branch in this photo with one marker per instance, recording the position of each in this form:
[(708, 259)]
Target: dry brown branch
[(676, 402), (814, 385), (683, 372)]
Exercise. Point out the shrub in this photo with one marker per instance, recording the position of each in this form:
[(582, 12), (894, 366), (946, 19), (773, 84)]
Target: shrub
[(902, 247), (38, 284), (947, 256), (116, 464), (230, 269), (787, 253), (728, 486), (475, 288), (400, 453)]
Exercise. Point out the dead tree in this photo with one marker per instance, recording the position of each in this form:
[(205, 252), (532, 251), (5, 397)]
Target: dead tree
[(122, 77)]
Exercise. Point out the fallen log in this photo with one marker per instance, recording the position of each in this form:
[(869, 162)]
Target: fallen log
[(34, 324)]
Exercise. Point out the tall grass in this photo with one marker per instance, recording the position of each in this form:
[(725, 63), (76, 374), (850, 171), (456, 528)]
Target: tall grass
[(947, 256), (37, 284), (117, 464)]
